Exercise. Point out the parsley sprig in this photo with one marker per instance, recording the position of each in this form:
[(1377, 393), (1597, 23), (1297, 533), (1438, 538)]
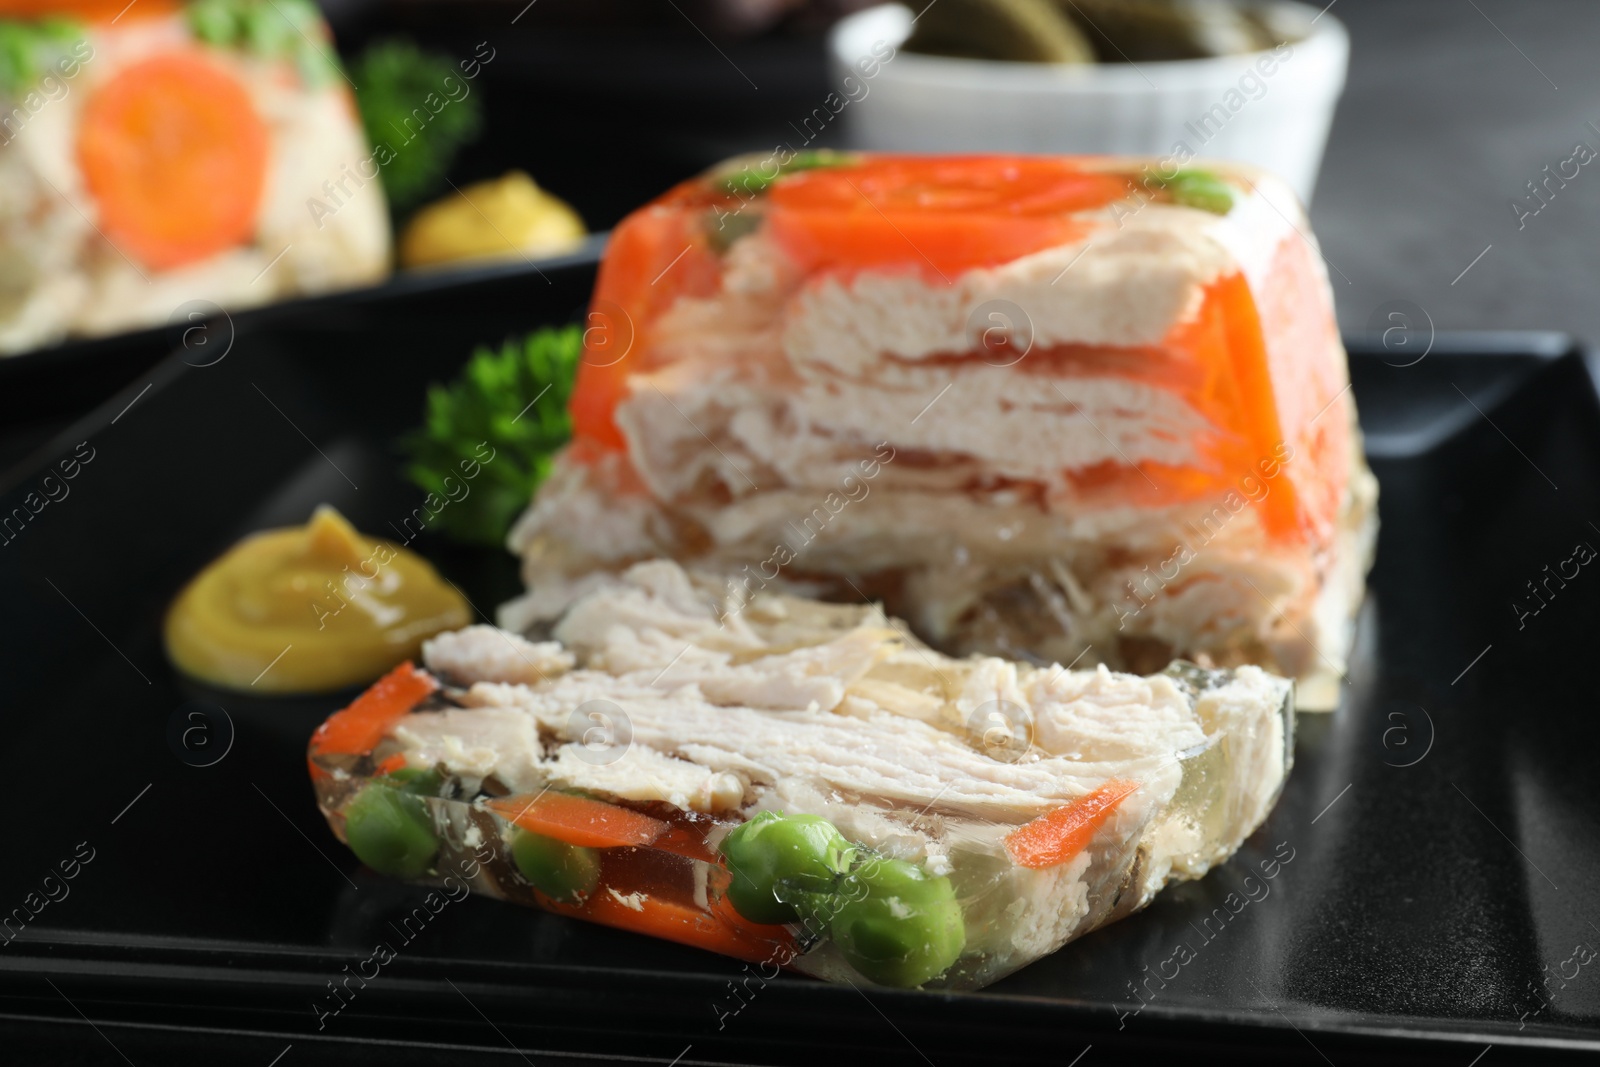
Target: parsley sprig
[(396, 78), (514, 399)]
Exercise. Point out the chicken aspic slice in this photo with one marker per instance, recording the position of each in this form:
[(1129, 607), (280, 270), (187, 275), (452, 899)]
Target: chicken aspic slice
[(800, 783), (1081, 409)]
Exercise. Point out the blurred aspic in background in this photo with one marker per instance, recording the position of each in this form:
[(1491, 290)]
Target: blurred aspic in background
[(153, 153)]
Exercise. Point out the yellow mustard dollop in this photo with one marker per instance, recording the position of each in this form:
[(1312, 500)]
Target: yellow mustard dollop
[(308, 609), (507, 218)]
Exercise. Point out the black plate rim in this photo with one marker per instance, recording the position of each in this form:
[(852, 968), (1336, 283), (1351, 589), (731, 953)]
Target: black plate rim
[(54, 367), (68, 354)]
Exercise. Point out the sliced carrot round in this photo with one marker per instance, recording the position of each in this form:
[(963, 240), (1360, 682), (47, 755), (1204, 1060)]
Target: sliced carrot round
[(175, 155), (369, 718), (950, 214)]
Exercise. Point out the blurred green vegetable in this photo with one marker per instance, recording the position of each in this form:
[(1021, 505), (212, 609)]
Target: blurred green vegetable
[(513, 400), (29, 49), (1200, 189), (1086, 31), (1028, 31), (395, 80), (272, 29), (1149, 31), (750, 182)]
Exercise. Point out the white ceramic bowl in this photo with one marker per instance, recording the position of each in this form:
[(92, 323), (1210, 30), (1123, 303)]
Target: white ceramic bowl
[(1271, 109)]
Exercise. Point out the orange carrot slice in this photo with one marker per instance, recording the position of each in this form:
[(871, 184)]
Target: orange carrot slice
[(373, 714), (88, 10), (578, 820), (1058, 836), (653, 245), (719, 930), (176, 157), (392, 764)]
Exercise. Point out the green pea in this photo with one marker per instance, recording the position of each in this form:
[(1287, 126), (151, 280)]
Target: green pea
[(777, 859), (1201, 189), (563, 872), (814, 914), (897, 924), (390, 831), (416, 780)]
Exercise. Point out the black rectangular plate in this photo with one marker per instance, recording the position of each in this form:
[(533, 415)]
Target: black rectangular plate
[(45, 390), (1441, 824)]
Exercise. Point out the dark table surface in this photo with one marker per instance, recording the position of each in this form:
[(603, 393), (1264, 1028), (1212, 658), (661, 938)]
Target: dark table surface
[(1452, 106)]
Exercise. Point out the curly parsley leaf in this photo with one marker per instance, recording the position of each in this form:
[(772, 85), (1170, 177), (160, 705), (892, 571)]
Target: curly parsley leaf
[(512, 400), (408, 106)]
